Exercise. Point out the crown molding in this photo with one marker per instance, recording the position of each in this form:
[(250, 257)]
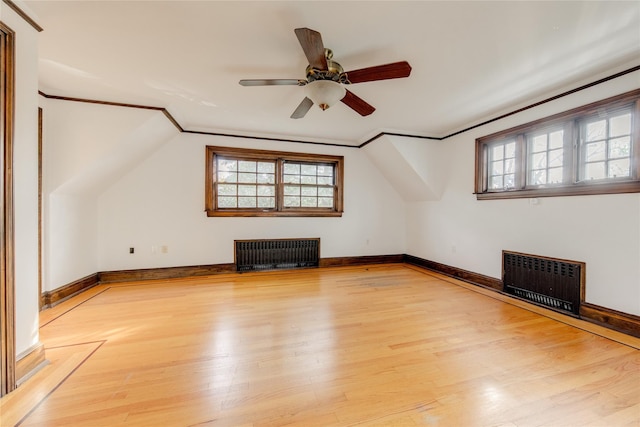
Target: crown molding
[(24, 15), (368, 141)]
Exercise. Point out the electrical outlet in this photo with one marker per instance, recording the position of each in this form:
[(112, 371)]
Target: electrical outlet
[(164, 249), (132, 250)]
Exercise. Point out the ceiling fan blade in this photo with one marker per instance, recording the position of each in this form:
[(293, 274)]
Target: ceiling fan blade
[(357, 104), (302, 109), (311, 42), (273, 82), (394, 70)]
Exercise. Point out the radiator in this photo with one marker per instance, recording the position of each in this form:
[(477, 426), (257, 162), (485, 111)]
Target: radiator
[(554, 283), (253, 255)]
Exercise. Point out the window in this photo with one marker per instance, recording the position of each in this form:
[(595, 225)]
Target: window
[(243, 182), (594, 149)]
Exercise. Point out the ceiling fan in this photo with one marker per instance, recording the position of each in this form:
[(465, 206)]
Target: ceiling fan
[(326, 78)]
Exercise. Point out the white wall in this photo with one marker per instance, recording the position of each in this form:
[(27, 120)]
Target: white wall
[(155, 198), (603, 231), (25, 172), (86, 148), (161, 203)]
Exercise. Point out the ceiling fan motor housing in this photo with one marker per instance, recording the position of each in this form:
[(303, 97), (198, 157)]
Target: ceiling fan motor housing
[(334, 71)]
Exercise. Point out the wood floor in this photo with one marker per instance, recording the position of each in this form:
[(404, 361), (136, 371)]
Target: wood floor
[(387, 345)]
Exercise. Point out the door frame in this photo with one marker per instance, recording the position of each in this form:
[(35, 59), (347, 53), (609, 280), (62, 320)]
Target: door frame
[(7, 287)]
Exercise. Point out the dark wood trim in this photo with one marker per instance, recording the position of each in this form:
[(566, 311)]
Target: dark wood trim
[(52, 298), (622, 322), (547, 100), (361, 260), (23, 15), (368, 141), (165, 273), (612, 319), (570, 120), (278, 158), (7, 278), (30, 363), (40, 217), (458, 273)]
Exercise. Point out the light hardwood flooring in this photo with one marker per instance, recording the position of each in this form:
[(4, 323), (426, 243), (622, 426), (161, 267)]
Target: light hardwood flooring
[(389, 345)]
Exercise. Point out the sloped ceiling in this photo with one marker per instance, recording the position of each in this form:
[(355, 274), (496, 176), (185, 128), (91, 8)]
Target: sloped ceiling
[(471, 60)]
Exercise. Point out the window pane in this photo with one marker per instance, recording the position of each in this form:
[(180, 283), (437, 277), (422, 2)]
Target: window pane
[(325, 170), (509, 166), (247, 166), (497, 152), (538, 177), (266, 167), (247, 202), (266, 190), (325, 202), (556, 139), (227, 177), (510, 149), (309, 202), (227, 189), (619, 168), (539, 143), (309, 191), (554, 176), (310, 180), (325, 180), (227, 202), (247, 190), (266, 202), (495, 183), (556, 158), (264, 178), (620, 147), (291, 179), (596, 130), (292, 201), (594, 171), (247, 177), (325, 192), (292, 168), (539, 160), (509, 181), (308, 169), (292, 190), (227, 165), (497, 168), (620, 125), (595, 151)]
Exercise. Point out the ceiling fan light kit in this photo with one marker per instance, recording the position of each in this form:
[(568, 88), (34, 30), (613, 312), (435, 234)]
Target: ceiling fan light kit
[(325, 93), (325, 81)]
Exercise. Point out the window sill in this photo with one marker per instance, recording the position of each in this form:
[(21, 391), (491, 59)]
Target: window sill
[(288, 213), (573, 190)]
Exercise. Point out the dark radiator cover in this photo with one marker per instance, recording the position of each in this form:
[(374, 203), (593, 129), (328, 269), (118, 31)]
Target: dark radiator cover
[(254, 255), (551, 282)]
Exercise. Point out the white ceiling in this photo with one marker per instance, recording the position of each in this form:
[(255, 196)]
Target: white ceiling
[(470, 60)]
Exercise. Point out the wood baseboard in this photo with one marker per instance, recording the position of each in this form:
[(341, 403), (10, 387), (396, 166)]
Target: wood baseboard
[(612, 319), (361, 260), (458, 273), (30, 363), (165, 273), (621, 322), (51, 298)]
